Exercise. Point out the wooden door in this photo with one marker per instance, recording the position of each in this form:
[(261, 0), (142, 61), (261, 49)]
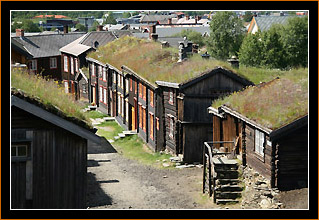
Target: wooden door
[(133, 118)]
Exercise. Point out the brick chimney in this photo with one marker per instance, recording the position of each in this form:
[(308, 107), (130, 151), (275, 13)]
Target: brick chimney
[(65, 29), (99, 28), (19, 32)]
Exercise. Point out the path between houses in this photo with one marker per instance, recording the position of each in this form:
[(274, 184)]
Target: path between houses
[(115, 182)]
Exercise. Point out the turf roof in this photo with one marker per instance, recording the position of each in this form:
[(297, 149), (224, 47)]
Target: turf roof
[(152, 62), (273, 104)]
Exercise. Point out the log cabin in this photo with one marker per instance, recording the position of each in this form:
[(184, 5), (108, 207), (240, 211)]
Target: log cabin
[(275, 144), (48, 155)]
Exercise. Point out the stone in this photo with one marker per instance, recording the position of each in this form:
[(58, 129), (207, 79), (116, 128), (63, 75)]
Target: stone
[(265, 204), (166, 165)]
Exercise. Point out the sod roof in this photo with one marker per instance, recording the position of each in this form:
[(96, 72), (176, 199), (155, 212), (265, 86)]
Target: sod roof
[(273, 104)]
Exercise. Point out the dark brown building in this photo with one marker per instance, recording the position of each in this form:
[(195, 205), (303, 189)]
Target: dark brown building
[(48, 156)]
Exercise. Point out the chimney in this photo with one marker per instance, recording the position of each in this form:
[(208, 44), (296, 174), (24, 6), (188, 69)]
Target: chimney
[(99, 28), (152, 31), (65, 29), (19, 32), (187, 17), (154, 36), (169, 21), (234, 62)]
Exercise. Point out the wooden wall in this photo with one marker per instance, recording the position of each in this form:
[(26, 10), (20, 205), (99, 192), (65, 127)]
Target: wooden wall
[(293, 160), (59, 160)]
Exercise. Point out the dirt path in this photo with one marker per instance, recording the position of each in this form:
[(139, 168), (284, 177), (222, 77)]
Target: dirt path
[(115, 182)]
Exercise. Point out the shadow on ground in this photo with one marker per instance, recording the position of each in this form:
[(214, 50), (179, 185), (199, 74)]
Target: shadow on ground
[(95, 194), (104, 147)]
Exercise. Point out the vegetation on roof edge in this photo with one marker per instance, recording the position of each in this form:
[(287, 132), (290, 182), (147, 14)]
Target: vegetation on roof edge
[(49, 94)]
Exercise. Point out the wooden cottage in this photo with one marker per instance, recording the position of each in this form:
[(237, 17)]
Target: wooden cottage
[(48, 156), (187, 123), (274, 144)]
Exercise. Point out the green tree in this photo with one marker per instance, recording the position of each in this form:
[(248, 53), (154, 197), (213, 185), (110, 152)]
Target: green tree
[(251, 50), (226, 35), (80, 27), (295, 41), (110, 19), (94, 26), (192, 35)]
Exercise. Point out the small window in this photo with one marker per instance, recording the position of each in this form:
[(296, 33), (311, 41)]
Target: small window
[(144, 93), (101, 94), (140, 116), (144, 119), (53, 63), (104, 74), (114, 77), (105, 95), (33, 65), (19, 150), (259, 142), (151, 126), (151, 98), (76, 64), (72, 65), (131, 85), (93, 69), (135, 88), (66, 67), (100, 72), (140, 92)]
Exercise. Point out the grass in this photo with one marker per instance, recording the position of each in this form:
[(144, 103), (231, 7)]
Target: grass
[(49, 93), (131, 146), (95, 114)]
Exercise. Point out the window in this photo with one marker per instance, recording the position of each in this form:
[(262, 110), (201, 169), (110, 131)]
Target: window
[(66, 66), (100, 72), (126, 110), (259, 142), (76, 64), (157, 123), (131, 85), (122, 102), (66, 86), (144, 119), (33, 65), (151, 126), (119, 80), (19, 150), (114, 77), (126, 86), (122, 82), (119, 104), (171, 127), (144, 93), (135, 88), (140, 115), (171, 99), (93, 69), (105, 95), (101, 94), (140, 92), (151, 98), (72, 65), (104, 74), (53, 63)]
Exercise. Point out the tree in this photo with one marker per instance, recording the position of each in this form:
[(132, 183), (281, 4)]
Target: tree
[(80, 27), (226, 35), (251, 50), (94, 26), (26, 25), (110, 19), (192, 35), (295, 41)]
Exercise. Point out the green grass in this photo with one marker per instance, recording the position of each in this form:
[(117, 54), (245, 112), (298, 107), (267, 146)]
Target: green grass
[(131, 146), (95, 114), (48, 92)]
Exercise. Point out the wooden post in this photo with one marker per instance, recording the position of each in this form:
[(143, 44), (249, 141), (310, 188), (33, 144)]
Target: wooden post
[(244, 142)]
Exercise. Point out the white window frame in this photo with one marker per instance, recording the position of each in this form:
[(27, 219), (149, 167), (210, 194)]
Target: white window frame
[(259, 142), (101, 94), (34, 65), (53, 63), (126, 111), (104, 91), (76, 64), (16, 146), (72, 65), (65, 64), (93, 69), (104, 74)]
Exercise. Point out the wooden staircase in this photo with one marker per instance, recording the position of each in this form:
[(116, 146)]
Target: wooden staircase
[(226, 186), (221, 176)]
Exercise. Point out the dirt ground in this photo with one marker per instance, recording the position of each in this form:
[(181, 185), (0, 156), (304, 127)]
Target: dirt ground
[(115, 182)]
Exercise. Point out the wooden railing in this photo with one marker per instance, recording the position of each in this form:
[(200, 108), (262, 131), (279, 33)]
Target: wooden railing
[(209, 151)]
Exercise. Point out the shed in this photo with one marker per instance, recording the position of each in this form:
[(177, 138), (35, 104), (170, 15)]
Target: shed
[(48, 156)]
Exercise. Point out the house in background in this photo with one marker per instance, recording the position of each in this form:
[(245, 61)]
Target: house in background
[(48, 156), (265, 22), (74, 56), (43, 52), (273, 143)]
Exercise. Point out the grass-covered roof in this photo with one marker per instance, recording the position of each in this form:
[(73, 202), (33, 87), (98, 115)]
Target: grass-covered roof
[(152, 62), (48, 94), (273, 104)]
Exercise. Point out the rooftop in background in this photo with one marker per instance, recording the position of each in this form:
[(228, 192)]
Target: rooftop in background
[(50, 16), (46, 45), (273, 104)]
